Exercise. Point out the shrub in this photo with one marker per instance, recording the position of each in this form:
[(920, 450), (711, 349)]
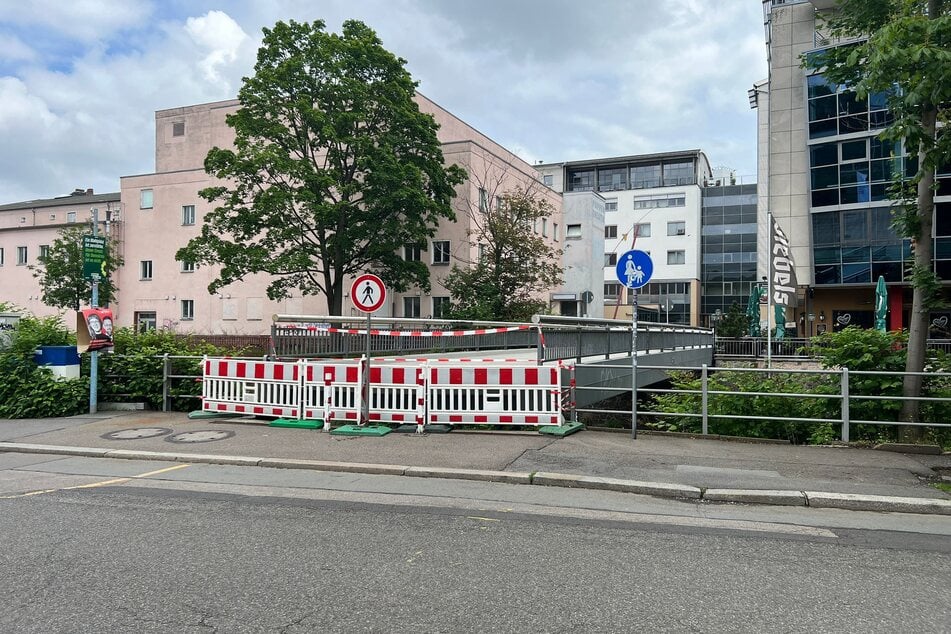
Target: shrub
[(30, 391)]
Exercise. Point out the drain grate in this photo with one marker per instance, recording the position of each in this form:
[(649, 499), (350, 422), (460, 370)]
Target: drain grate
[(209, 435), (136, 433)]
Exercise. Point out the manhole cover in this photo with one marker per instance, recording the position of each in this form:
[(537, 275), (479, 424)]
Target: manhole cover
[(200, 436), (138, 432)]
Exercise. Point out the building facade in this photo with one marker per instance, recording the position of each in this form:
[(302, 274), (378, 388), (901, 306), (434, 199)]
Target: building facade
[(652, 202), (824, 176), (156, 214), (28, 228)]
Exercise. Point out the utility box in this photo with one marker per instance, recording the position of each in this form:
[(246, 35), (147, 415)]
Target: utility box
[(63, 361)]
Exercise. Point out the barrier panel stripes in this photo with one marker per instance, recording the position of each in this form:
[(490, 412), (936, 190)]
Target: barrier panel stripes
[(446, 392), (265, 388), (331, 391), (504, 395)]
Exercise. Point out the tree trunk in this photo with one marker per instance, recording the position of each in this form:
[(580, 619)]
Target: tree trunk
[(920, 317)]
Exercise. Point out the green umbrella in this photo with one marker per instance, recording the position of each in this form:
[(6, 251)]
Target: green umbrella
[(881, 304), (780, 322), (752, 311)]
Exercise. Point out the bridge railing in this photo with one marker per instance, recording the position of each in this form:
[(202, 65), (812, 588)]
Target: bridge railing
[(793, 347)]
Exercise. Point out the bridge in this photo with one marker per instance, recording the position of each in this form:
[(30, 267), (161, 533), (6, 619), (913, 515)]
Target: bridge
[(598, 350)]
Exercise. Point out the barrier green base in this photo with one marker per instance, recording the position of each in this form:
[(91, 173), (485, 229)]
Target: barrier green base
[(361, 430), (563, 430), (410, 428), (201, 414), (297, 424)]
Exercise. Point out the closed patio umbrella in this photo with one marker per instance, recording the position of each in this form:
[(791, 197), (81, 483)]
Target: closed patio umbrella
[(881, 304)]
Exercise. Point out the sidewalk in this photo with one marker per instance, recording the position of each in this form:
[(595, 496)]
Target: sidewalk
[(653, 464)]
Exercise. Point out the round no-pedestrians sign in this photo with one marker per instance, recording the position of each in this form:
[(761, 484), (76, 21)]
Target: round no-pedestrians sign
[(368, 293)]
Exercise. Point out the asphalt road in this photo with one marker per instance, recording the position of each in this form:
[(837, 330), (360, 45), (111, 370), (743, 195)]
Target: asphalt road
[(98, 545)]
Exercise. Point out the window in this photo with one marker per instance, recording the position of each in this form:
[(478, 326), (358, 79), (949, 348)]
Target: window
[(188, 309), (44, 251), (1, 257), (676, 257), (612, 179), (610, 259), (441, 307), (145, 321), (441, 252), (573, 232), (412, 252), (679, 173), (483, 200), (644, 176), (145, 269), (498, 203), (545, 227), (610, 231), (612, 290), (145, 199), (659, 201), (481, 252), (178, 128), (70, 216), (411, 306), (610, 204), (188, 214), (188, 267), (581, 180), (554, 231), (548, 180), (676, 228), (21, 255), (642, 230)]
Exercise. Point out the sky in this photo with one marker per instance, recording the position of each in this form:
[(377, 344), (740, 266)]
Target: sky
[(552, 80)]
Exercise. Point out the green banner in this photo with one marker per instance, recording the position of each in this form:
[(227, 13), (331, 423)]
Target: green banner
[(94, 256)]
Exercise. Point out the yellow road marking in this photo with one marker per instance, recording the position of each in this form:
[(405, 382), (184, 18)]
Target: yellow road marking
[(93, 485), (484, 519)]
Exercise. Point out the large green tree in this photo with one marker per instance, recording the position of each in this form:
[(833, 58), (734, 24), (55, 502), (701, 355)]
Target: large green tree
[(334, 169), (60, 271), (515, 267), (902, 48)]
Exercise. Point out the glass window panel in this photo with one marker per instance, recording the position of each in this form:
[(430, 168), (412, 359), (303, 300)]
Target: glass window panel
[(825, 177), (825, 197), (849, 103), (880, 119), (643, 176), (825, 228), (826, 255), (819, 86), (822, 108), (850, 195), (853, 173), (886, 253), (884, 149), (821, 129), (942, 248), (612, 178), (943, 269), (879, 192), (882, 224), (906, 250), (581, 180), (881, 170), (856, 273), (878, 101), (911, 166), (852, 150), (853, 123), (942, 219), (680, 173), (891, 271), (855, 226), (828, 274), (823, 154), (855, 254)]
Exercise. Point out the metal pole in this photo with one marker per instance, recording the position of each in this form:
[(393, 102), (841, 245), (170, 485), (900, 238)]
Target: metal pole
[(634, 366), (845, 405), (703, 400), (769, 287), (94, 355), (366, 380)]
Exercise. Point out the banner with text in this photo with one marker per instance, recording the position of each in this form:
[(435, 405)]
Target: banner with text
[(782, 269)]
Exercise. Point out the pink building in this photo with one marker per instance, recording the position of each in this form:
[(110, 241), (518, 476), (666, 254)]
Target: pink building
[(28, 228), (161, 211)]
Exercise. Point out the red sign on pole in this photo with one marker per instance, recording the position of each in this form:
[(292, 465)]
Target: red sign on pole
[(368, 293)]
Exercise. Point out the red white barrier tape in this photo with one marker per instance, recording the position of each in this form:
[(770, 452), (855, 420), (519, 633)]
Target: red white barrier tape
[(409, 333)]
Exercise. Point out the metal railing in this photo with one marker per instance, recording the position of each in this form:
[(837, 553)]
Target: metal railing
[(798, 347), (832, 386)]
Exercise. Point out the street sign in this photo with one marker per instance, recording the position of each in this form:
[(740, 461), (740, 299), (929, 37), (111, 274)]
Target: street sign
[(368, 293), (94, 257), (634, 269)]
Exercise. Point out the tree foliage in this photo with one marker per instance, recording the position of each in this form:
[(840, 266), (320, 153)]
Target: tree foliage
[(733, 323), (334, 168), (902, 48), (60, 271), (515, 267)]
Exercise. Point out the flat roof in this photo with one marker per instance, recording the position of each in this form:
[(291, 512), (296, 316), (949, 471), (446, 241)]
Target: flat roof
[(632, 158), (78, 200)]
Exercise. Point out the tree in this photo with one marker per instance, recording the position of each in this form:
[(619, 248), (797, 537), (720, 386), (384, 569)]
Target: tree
[(905, 53), (334, 169), (60, 271), (514, 262), (734, 323)]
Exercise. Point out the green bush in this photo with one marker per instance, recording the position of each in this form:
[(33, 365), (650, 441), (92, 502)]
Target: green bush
[(30, 391)]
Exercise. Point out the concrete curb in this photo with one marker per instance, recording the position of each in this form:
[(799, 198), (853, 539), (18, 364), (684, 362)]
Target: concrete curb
[(815, 499)]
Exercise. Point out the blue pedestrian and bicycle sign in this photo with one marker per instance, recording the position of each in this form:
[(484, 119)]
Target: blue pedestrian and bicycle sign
[(634, 269)]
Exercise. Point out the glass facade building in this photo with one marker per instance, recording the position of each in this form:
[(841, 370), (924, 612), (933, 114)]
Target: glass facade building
[(728, 247)]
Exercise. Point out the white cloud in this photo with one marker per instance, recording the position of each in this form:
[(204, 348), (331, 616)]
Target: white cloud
[(221, 37), (84, 20), (14, 49)]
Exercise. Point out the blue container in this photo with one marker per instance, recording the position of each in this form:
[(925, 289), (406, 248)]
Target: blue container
[(56, 355)]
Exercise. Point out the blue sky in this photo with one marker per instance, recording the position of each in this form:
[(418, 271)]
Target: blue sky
[(551, 80)]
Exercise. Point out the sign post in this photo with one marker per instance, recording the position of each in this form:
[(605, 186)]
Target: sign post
[(634, 269), (368, 295), (94, 257)]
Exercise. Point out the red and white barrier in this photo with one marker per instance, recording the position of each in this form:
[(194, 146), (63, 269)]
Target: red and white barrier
[(331, 391), (503, 395), (265, 388), (397, 393)]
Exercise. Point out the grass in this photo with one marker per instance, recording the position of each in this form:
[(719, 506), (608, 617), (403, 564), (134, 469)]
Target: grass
[(944, 486)]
